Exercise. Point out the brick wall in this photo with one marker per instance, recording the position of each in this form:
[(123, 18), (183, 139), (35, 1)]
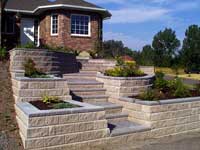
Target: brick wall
[(64, 37)]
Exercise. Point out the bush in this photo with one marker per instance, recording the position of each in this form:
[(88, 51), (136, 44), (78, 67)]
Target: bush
[(181, 90), (160, 83), (27, 45), (148, 95), (31, 70), (124, 69), (3, 54), (50, 99), (197, 87)]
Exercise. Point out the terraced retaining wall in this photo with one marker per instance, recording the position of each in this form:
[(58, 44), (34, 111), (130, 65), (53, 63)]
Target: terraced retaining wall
[(59, 128), (47, 61), (167, 117), (125, 86), (29, 89)]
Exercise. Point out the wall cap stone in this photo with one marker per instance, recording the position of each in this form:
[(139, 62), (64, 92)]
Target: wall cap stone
[(52, 78), (167, 101), (31, 111), (101, 75)]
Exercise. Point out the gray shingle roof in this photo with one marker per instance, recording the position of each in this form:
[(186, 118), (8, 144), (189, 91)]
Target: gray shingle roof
[(32, 6)]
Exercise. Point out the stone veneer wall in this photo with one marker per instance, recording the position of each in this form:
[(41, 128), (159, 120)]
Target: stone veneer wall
[(26, 89), (168, 117), (125, 87), (47, 61), (51, 129)]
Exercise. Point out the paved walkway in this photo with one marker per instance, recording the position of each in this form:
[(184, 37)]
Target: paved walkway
[(185, 142)]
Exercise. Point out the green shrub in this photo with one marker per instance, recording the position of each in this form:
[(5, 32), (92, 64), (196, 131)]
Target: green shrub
[(3, 54), (148, 95), (197, 87), (31, 71), (29, 67), (181, 90), (159, 75), (50, 99), (124, 69), (28, 45)]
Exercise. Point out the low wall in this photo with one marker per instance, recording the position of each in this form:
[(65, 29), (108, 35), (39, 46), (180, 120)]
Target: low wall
[(28, 89), (47, 61), (57, 128), (168, 117), (148, 69), (125, 86), (96, 64)]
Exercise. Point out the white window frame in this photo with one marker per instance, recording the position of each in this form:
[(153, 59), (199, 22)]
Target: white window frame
[(54, 34), (5, 26), (89, 26)]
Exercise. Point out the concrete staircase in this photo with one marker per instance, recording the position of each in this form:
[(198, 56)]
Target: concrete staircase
[(84, 87)]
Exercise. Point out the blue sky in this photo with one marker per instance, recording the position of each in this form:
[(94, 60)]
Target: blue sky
[(135, 22)]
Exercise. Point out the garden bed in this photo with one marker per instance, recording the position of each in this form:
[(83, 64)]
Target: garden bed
[(125, 86), (55, 105)]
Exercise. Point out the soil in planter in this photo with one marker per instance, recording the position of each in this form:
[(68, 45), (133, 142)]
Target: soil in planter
[(57, 105)]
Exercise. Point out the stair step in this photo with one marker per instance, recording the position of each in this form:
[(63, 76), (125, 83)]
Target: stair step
[(110, 108), (80, 74), (92, 99), (91, 72), (75, 83), (117, 117), (90, 91), (126, 127)]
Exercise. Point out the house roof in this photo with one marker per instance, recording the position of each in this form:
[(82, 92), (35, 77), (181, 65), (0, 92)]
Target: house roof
[(36, 6)]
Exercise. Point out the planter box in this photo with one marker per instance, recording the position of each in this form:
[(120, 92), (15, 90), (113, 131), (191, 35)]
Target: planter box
[(32, 89), (50, 128), (125, 86), (166, 117)]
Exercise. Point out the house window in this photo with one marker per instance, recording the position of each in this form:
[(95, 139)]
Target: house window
[(80, 25), (9, 25), (54, 24)]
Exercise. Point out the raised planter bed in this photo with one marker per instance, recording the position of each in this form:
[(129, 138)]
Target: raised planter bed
[(165, 117), (57, 128), (125, 86), (32, 89)]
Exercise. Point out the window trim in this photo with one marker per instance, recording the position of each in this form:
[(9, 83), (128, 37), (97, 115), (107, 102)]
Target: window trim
[(54, 34), (89, 26)]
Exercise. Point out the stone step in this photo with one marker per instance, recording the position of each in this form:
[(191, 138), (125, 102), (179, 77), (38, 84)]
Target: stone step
[(86, 91), (80, 75), (117, 117), (75, 83), (126, 127), (110, 108), (92, 99), (92, 72), (91, 68)]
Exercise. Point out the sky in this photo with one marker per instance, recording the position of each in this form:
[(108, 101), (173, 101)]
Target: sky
[(135, 22)]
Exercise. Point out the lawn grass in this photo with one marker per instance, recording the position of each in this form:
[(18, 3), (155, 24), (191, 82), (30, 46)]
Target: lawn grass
[(181, 73)]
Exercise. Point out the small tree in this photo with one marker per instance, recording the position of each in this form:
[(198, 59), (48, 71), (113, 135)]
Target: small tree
[(165, 44)]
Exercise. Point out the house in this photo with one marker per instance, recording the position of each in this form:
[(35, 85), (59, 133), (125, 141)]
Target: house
[(74, 24)]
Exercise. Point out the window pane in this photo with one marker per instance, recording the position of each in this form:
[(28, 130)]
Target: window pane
[(79, 24), (54, 26)]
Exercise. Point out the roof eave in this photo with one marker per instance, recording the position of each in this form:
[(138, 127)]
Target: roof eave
[(106, 13)]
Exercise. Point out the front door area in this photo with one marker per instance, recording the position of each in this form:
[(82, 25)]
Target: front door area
[(29, 31)]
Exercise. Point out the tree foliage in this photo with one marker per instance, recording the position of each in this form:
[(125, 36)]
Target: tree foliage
[(146, 56), (190, 53), (165, 45)]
